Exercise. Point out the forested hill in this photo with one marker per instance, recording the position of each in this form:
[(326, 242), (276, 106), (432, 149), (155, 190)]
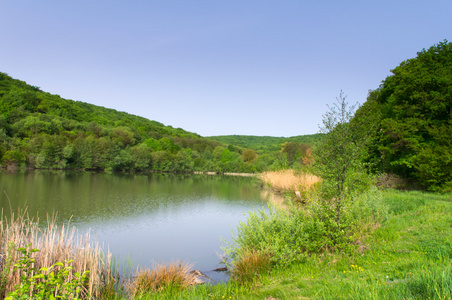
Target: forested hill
[(411, 111), (263, 144), (41, 130), (19, 100)]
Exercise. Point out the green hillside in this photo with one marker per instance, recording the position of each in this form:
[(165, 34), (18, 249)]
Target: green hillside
[(19, 100), (42, 130), (263, 144)]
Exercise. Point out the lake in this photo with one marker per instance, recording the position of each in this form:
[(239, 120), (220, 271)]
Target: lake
[(141, 218)]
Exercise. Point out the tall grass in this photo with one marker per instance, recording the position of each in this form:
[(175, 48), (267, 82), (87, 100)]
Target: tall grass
[(172, 276), (56, 244), (250, 266), (288, 180)]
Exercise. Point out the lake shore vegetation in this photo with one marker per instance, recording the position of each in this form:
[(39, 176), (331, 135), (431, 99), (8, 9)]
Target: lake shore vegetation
[(289, 180), (405, 256), (347, 238), (31, 249)]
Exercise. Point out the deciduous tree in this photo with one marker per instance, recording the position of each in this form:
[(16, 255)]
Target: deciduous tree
[(340, 154)]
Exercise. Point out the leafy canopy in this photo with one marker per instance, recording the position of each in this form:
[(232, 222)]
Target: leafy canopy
[(414, 109)]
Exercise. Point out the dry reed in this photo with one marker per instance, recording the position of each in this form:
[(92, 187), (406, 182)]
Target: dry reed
[(287, 180), (251, 265), (56, 244), (174, 275)]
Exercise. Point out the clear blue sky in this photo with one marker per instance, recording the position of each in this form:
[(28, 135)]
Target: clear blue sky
[(216, 67)]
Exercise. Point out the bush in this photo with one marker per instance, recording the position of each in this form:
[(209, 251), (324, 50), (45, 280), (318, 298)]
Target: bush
[(368, 207), (47, 283), (276, 233), (291, 235)]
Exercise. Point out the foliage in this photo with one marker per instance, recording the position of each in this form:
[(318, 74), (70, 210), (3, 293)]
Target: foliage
[(414, 118), (275, 233), (249, 155), (40, 130), (46, 283), (7, 262), (290, 236), (339, 157), (406, 257), (264, 144), (272, 153)]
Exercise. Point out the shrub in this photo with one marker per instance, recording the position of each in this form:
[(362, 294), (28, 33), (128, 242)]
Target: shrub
[(276, 233), (291, 235), (390, 181), (57, 281)]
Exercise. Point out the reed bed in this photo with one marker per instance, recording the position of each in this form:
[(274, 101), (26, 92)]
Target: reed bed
[(288, 180), (56, 244)]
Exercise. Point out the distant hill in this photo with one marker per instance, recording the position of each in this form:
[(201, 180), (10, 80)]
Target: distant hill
[(41, 130), (263, 143)]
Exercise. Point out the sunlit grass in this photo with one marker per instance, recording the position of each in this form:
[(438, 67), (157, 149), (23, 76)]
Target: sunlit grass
[(250, 266), (408, 257), (56, 244), (288, 180), (173, 275)]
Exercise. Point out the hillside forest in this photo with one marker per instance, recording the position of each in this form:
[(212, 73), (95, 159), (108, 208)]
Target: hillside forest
[(44, 131), (407, 120)]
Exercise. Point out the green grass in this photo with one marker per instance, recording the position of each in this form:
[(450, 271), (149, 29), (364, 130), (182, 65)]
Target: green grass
[(408, 257)]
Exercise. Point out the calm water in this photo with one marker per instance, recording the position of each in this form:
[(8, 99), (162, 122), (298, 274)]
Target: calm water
[(142, 219)]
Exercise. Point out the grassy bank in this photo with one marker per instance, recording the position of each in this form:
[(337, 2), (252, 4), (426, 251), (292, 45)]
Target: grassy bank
[(408, 256)]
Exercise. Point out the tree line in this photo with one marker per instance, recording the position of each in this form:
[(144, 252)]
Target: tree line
[(41, 130), (411, 115)]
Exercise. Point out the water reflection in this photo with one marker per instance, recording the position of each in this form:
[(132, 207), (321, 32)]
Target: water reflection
[(146, 217)]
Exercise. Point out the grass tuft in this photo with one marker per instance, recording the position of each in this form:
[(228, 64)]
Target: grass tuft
[(173, 275), (250, 266)]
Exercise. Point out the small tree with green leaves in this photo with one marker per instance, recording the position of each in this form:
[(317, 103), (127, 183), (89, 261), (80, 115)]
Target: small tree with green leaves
[(339, 156)]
